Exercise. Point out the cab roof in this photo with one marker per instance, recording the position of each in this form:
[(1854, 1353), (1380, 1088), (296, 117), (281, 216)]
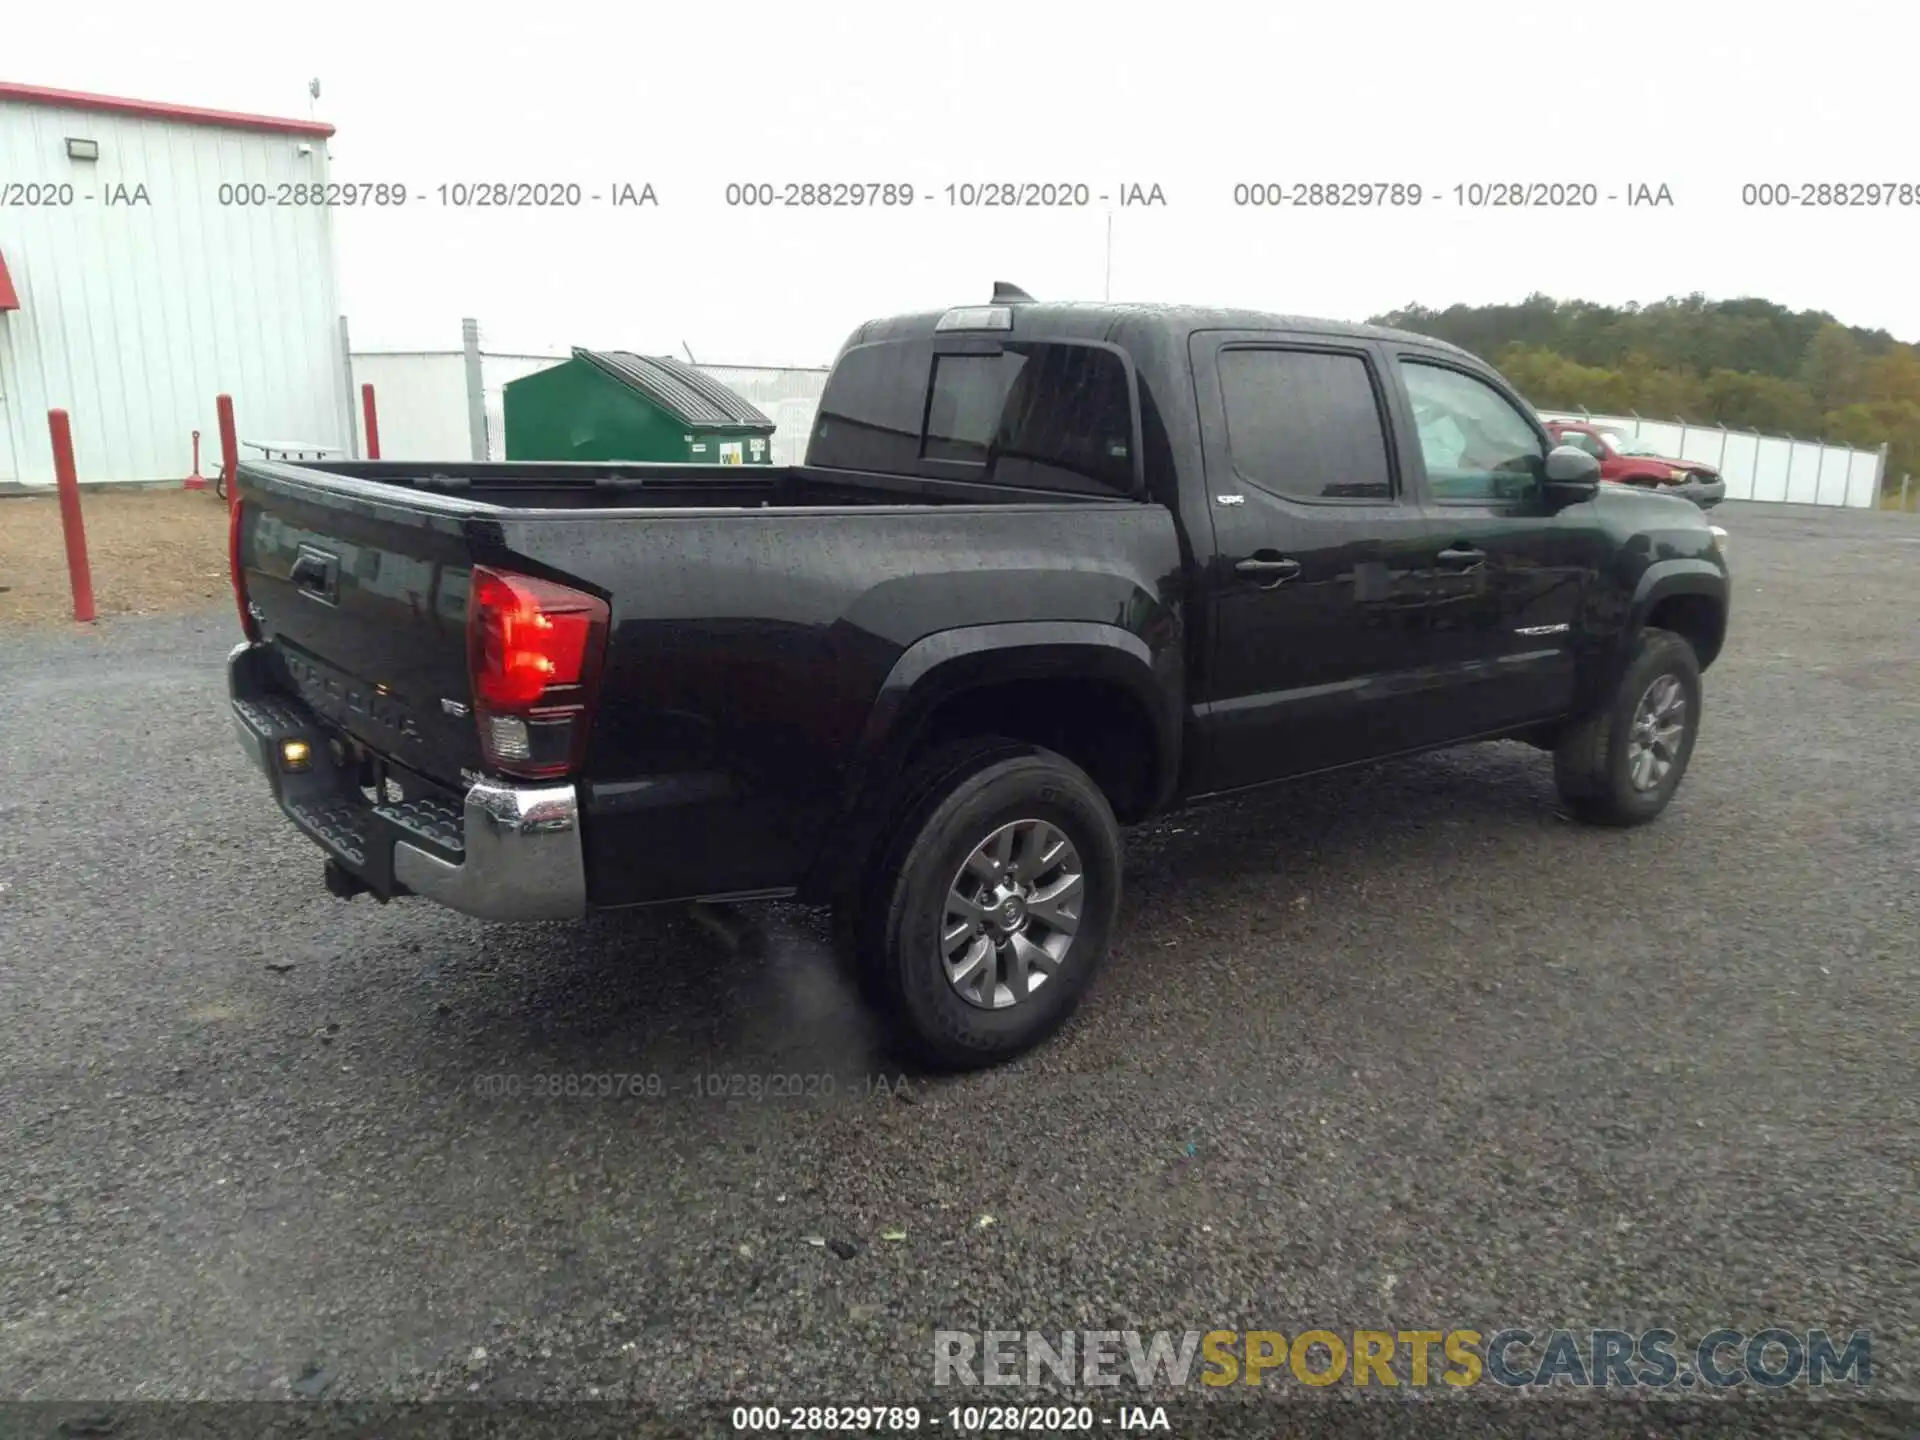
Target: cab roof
[(1115, 321)]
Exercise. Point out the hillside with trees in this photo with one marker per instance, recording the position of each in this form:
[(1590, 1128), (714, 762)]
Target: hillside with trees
[(1747, 364)]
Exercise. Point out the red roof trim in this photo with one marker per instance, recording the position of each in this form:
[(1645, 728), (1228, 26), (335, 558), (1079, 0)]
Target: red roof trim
[(159, 110), (9, 298)]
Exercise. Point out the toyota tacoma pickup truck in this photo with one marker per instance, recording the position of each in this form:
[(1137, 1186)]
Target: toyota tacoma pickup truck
[(1047, 570), (1628, 460)]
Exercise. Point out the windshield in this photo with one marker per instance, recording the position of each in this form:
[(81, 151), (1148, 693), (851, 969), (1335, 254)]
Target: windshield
[(1628, 444)]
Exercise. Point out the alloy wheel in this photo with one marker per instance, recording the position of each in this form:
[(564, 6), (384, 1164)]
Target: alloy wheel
[(1011, 914), (1659, 724)]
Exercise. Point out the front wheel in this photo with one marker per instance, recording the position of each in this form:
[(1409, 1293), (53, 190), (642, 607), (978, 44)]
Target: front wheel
[(994, 907), (1621, 766)]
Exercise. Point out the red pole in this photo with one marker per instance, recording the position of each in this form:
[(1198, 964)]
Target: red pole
[(229, 447), (78, 572), (195, 481), (373, 422)]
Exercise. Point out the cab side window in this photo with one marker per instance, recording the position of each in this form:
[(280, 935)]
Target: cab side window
[(1476, 443), (1581, 440)]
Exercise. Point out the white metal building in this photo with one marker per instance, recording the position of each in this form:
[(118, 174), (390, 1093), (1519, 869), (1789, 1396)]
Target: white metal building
[(153, 256)]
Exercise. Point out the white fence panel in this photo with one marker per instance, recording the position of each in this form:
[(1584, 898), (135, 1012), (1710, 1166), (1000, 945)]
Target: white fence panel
[(1664, 438), (1863, 478), (1771, 458), (1741, 466), (421, 402), (1704, 445), (1830, 478), (1803, 471)]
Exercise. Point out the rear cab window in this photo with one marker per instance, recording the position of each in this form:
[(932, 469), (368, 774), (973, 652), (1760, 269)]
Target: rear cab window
[(1054, 416)]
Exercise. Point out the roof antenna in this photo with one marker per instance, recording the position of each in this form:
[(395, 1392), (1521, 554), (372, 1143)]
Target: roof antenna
[(689, 349), (1009, 294)]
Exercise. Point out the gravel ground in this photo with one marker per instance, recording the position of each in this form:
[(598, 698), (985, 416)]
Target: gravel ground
[(150, 552), (1399, 1049)]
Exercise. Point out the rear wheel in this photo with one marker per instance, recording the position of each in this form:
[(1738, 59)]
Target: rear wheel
[(1622, 765), (991, 906)]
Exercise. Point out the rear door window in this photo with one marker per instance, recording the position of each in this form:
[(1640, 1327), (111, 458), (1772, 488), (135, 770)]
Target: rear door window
[(1306, 425)]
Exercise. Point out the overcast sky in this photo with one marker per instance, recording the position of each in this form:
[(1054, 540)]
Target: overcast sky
[(1193, 97)]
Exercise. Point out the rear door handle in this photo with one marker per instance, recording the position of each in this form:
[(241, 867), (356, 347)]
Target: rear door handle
[(1272, 572), (1463, 560)]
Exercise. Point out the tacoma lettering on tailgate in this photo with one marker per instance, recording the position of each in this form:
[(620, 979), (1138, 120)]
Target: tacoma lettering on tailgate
[(338, 698)]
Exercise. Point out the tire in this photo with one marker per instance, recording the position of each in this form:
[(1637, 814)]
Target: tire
[(1596, 760), (1016, 795), (853, 934)]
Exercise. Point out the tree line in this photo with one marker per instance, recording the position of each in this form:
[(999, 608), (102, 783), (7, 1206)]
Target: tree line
[(1746, 364)]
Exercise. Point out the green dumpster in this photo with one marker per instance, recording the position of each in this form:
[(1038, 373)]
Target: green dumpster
[(615, 405)]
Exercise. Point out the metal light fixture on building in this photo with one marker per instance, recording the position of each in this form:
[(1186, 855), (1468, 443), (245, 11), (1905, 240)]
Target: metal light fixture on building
[(82, 149)]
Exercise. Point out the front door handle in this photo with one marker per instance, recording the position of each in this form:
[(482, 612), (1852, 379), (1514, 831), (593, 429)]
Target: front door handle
[(1463, 560), (1272, 571)]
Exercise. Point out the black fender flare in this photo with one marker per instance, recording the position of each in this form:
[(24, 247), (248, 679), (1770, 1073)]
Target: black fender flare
[(1663, 579), (948, 663), (1682, 575), (1685, 575)]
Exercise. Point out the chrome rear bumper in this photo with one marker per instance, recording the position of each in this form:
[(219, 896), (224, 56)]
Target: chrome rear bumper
[(499, 852)]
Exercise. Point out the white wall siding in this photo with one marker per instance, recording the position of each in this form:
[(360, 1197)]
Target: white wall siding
[(134, 318)]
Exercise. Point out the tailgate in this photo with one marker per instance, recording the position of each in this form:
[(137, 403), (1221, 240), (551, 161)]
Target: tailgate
[(363, 607)]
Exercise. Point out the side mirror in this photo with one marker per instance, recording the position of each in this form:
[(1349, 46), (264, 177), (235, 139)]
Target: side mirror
[(1572, 475)]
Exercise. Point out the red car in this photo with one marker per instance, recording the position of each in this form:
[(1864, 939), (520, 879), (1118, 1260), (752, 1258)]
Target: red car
[(1630, 461)]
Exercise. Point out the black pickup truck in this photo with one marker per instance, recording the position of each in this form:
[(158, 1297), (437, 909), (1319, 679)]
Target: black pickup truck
[(1048, 569)]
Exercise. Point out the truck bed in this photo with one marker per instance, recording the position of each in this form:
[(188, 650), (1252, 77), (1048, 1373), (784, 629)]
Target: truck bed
[(588, 485), (754, 620)]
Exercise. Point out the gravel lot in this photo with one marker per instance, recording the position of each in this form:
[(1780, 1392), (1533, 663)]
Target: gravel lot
[(150, 552), (1398, 1049)]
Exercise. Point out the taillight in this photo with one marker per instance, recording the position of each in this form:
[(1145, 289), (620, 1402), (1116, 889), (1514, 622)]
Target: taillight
[(237, 574), (534, 650)]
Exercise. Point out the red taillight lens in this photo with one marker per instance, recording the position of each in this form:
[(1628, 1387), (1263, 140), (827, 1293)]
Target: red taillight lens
[(237, 574), (533, 653), (528, 635)]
